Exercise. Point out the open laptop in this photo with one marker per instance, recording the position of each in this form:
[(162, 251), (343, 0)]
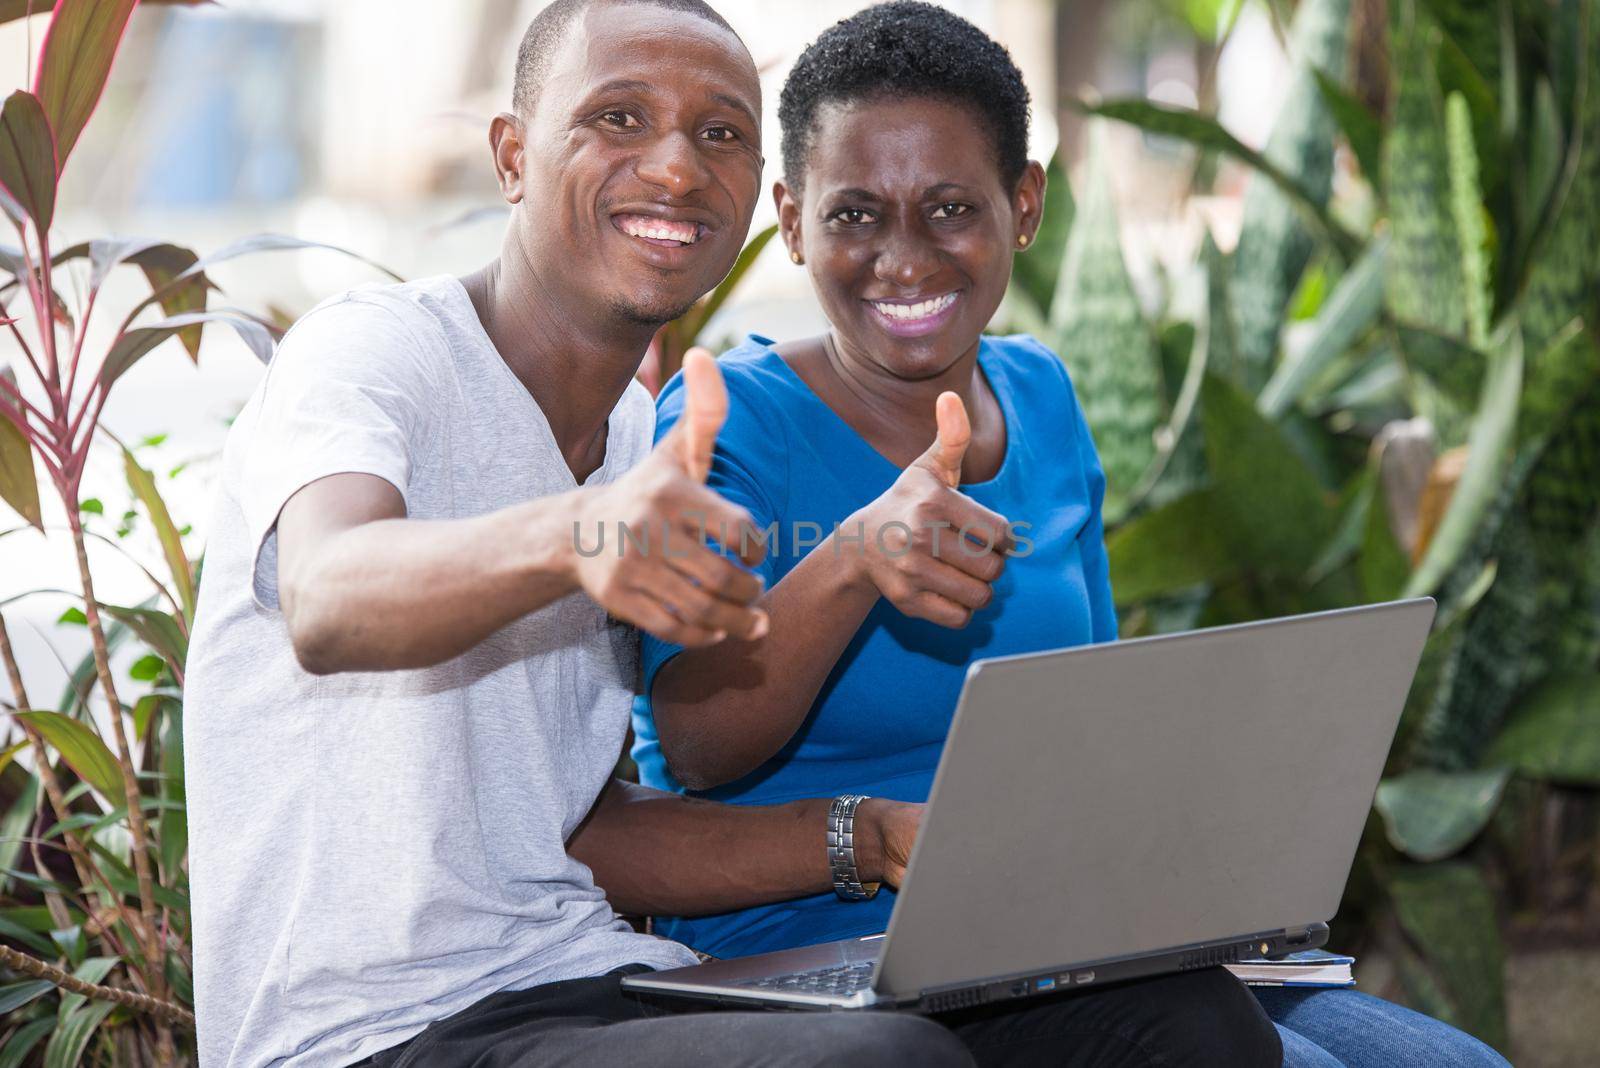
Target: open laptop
[(1121, 810)]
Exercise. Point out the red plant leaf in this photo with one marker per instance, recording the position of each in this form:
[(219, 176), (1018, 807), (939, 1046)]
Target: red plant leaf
[(74, 63), (11, 10), (28, 157), (132, 345), (19, 486)]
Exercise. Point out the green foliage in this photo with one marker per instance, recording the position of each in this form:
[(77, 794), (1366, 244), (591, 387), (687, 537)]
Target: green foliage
[(1473, 302), (1430, 815), (1096, 312), (1425, 284), (1448, 912), (1274, 244), (1555, 734)]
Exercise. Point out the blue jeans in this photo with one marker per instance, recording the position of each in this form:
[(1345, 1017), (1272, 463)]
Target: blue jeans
[(1344, 1028)]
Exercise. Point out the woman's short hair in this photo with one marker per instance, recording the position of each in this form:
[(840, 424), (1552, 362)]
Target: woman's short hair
[(906, 49)]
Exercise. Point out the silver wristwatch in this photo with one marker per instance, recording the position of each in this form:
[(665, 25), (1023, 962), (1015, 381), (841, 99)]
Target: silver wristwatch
[(842, 850)]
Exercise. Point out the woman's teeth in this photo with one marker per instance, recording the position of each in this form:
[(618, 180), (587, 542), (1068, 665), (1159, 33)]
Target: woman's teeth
[(685, 233), (920, 310)]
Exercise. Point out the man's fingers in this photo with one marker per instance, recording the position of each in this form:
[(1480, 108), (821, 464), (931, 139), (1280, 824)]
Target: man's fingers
[(697, 607), (649, 614), (705, 409), (944, 456), (717, 575), (708, 514)]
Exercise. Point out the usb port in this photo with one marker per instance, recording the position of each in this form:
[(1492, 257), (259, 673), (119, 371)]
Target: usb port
[(1045, 984)]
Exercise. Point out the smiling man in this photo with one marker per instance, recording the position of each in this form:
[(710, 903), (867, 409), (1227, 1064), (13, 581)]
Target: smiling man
[(408, 685)]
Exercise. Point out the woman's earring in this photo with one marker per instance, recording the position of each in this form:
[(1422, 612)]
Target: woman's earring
[(1022, 240), (796, 257)]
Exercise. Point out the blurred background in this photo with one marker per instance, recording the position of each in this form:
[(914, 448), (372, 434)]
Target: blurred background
[(1325, 274)]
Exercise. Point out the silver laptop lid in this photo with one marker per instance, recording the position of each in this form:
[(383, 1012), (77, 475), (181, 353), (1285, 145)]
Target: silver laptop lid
[(1132, 797)]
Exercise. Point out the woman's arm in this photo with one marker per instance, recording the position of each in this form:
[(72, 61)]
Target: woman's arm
[(656, 854), (721, 713)]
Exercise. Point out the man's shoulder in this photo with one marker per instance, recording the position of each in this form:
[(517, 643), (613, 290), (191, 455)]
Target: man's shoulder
[(381, 307)]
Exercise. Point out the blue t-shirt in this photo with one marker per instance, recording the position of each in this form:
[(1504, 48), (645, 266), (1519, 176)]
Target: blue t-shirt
[(880, 720)]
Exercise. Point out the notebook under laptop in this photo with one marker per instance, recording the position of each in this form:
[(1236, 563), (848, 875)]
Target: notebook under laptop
[(1121, 810)]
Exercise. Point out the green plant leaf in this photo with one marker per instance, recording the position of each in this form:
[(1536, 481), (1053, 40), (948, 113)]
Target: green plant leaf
[(1270, 506), (1383, 564), (1448, 912), (1466, 205), (1557, 379), (1036, 271), (75, 62), (1102, 337), (147, 668), (694, 322), (1359, 125), (83, 751), (71, 1039), (1353, 307), (1565, 273), (1450, 366), (1429, 815), (15, 995), (93, 970), (1490, 444), (28, 157), (22, 1041), (19, 484), (31, 939), (1278, 231), (143, 484), (1545, 151), (1175, 547), (1554, 733), (1208, 134), (1425, 283), (157, 629), (174, 825)]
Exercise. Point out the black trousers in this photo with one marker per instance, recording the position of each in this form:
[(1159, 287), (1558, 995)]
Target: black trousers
[(1193, 1019)]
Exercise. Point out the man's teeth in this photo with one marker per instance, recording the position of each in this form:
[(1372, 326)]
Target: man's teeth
[(920, 310), (660, 229)]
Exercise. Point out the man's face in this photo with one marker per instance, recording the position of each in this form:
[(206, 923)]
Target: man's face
[(643, 159)]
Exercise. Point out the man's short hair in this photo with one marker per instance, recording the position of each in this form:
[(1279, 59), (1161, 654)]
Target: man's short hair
[(548, 28)]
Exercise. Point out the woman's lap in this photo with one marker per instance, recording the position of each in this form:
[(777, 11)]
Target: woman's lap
[(1328, 1028)]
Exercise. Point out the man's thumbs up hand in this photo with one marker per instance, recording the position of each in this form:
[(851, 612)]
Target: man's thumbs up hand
[(705, 409), (661, 575), (930, 549)]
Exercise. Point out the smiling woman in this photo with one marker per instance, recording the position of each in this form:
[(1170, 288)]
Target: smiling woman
[(927, 449)]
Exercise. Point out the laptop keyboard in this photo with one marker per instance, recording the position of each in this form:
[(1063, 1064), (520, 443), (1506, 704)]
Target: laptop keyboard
[(840, 980)]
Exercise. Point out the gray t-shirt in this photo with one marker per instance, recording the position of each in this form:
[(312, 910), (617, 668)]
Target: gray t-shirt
[(372, 852)]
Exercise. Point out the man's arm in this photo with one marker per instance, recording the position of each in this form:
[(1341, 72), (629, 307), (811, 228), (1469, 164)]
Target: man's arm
[(363, 588), (656, 853)]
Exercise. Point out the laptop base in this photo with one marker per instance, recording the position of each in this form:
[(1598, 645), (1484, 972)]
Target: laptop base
[(823, 977)]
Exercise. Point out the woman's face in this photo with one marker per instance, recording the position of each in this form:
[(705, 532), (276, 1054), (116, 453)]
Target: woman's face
[(907, 229)]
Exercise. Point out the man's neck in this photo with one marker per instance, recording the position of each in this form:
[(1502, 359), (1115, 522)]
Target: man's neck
[(575, 362)]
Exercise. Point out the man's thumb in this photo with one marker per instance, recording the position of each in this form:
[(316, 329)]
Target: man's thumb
[(944, 456), (705, 409)]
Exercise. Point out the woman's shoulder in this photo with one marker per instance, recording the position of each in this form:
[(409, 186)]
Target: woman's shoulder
[(1030, 362), (752, 370)]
